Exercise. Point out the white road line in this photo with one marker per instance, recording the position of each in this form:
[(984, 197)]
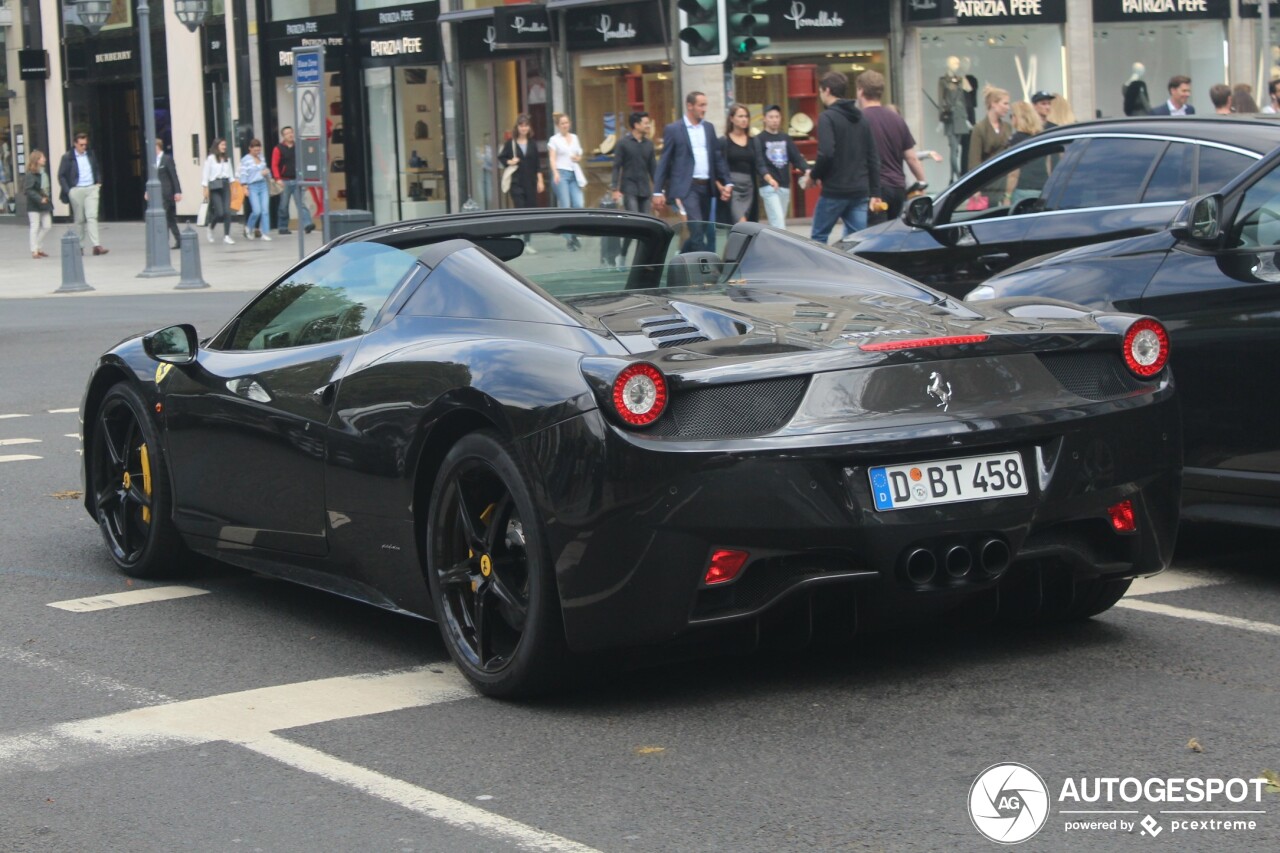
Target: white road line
[(429, 803), (6, 417), (64, 411), (1201, 616), (6, 442), (71, 435), (82, 677), (124, 599), (1173, 580), (19, 457)]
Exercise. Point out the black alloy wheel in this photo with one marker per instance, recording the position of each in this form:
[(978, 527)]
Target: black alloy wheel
[(130, 487), (489, 574)]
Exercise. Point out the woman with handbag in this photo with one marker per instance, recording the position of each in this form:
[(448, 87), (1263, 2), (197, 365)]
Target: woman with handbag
[(216, 180), (519, 160), (39, 202), (253, 174)]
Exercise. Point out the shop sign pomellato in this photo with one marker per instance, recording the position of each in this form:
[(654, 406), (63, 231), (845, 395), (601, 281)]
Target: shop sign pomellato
[(1249, 9), (970, 12), (523, 25), (791, 20), (619, 25), (1112, 11)]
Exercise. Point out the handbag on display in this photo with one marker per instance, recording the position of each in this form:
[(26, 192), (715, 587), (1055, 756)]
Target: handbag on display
[(338, 165), (337, 136), (335, 108), (420, 130)]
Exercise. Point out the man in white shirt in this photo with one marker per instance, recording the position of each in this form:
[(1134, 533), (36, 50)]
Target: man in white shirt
[(692, 166), (80, 177)]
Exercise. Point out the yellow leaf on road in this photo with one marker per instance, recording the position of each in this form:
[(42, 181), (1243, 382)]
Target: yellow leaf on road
[(649, 750)]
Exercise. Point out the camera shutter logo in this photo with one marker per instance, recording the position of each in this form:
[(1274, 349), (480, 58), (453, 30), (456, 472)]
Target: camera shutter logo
[(1008, 803)]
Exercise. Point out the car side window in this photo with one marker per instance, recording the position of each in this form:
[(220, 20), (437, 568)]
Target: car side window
[(1257, 222), (338, 295), (1219, 167), (1174, 177), (1111, 172), (1014, 186)]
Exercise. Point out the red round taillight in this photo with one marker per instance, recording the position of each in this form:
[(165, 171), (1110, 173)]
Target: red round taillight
[(1146, 347), (640, 394)]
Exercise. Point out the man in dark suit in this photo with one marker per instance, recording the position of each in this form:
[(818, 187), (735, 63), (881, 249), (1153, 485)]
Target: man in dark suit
[(1179, 94), (170, 190), (690, 168)]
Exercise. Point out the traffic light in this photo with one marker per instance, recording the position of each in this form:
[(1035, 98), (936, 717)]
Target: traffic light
[(703, 38), (743, 23)]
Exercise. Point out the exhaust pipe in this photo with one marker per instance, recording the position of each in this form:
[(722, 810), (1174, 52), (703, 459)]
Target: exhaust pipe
[(958, 561), (921, 566), (993, 557)]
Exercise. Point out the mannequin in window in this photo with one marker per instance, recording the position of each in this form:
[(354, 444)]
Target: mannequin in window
[(953, 112), (1136, 102)]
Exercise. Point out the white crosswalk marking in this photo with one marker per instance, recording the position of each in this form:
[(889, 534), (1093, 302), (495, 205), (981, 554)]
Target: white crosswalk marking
[(63, 411), (6, 417), (1201, 616), (1173, 580), (125, 599), (8, 442), (19, 457)]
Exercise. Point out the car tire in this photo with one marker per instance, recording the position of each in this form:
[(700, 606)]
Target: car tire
[(490, 574), (129, 482)]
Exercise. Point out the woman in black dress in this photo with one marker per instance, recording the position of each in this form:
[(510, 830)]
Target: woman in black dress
[(521, 151), (739, 152)]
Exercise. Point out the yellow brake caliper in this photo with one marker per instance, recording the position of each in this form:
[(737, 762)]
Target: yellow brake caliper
[(146, 481)]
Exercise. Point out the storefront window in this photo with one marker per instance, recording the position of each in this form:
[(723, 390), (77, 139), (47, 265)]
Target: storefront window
[(287, 10), (1141, 57), (336, 133), (1021, 59), (606, 93), (406, 139), (9, 179)]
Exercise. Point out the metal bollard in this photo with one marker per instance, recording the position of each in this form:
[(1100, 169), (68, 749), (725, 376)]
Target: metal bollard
[(191, 279), (72, 264)]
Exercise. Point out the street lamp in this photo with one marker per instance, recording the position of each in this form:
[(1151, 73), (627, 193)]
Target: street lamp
[(93, 14)]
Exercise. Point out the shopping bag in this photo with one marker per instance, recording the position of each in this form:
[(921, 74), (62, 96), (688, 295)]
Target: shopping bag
[(237, 196), (202, 218)]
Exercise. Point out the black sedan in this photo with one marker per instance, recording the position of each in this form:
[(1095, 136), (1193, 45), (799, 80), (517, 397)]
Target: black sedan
[(552, 457), (1068, 187), (1212, 278)]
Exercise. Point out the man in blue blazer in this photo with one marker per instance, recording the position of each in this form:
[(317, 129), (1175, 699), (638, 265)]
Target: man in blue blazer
[(691, 167), (1179, 94)]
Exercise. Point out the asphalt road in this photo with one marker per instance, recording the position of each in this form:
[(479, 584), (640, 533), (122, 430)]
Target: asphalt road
[(245, 714)]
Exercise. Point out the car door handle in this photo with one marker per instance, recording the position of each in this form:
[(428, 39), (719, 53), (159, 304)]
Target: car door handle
[(324, 394), (998, 259)]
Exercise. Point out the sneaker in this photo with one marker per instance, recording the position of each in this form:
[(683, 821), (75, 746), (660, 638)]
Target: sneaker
[(284, 231), (209, 232), (310, 228), (227, 239), (257, 232), (247, 235), (529, 250), (265, 236), (100, 250)]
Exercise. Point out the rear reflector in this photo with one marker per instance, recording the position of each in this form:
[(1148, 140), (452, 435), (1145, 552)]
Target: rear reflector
[(1122, 517), (724, 566), (916, 343)]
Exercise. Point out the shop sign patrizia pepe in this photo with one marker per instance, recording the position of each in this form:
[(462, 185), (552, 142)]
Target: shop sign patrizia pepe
[(988, 11), (1155, 10)]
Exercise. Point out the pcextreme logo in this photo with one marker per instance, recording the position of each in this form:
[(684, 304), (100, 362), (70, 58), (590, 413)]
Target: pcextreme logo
[(1009, 803)]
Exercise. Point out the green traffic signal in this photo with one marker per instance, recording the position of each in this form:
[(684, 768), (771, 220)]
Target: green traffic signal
[(743, 25)]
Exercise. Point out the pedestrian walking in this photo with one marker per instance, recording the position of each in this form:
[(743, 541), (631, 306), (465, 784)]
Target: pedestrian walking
[(848, 163), (776, 155), (991, 135), (253, 176), (520, 153), (216, 180), (1028, 180), (894, 143), (170, 191), (565, 153), (284, 166), (1179, 95), (1242, 102), (39, 201), (1043, 103), (634, 163), (739, 153), (80, 177), (691, 167)]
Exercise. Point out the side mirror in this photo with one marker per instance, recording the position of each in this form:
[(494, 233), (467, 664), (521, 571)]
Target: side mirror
[(919, 212), (1199, 221), (173, 344)]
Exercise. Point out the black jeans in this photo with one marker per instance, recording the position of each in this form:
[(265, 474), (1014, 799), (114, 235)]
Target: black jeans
[(220, 209)]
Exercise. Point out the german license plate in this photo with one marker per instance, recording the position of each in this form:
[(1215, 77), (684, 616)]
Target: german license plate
[(947, 481)]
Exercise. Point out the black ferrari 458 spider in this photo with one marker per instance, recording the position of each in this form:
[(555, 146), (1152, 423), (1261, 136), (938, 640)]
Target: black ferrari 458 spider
[(577, 432)]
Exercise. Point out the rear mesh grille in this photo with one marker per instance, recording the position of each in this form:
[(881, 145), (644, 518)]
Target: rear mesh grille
[(1094, 375), (730, 411), (671, 331)]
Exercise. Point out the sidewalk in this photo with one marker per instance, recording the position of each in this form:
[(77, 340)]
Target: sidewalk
[(246, 266)]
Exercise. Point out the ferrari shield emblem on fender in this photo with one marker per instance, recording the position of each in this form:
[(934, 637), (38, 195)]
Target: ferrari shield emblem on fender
[(162, 370), (940, 390)]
